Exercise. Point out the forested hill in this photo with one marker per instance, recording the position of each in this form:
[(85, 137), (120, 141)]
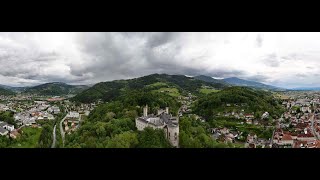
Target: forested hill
[(236, 99), (110, 90), (112, 125), (6, 92), (55, 89)]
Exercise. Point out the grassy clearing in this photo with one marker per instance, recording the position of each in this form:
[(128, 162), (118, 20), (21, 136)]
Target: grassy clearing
[(29, 138), (170, 91), (208, 91), (157, 84)]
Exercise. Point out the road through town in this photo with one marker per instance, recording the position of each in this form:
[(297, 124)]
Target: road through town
[(54, 137)]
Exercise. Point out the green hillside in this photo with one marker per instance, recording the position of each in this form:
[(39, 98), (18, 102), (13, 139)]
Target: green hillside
[(237, 98), (55, 89), (6, 92), (173, 85)]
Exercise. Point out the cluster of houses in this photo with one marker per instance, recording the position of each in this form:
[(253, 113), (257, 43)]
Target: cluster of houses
[(186, 102), (40, 110), (299, 127), (225, 135), (82, 108), (253, 141), (304, 139), (248, 118), (18, 97), (71, 121)]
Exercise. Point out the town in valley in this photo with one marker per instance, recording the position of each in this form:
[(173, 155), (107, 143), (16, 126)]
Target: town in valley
[(159, 90)]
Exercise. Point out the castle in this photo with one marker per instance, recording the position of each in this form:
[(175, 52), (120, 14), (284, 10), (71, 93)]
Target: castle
[(163, 120)]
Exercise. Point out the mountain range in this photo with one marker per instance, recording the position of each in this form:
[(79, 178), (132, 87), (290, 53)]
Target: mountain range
[(306, 89), (107, 89), (234, 81), (55, 88), (112, 89)]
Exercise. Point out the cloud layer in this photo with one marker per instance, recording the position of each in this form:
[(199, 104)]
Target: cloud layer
[(281, 59)]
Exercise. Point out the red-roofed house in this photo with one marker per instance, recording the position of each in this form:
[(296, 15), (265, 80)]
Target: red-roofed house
[(286, 139)]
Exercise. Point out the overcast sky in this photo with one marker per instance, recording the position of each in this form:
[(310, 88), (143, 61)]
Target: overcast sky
[(280, 59)]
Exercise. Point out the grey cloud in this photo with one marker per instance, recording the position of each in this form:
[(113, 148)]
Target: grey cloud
[(271, 60), (158, 39), (140, 54), (226, 73), (301, 75), (294, 57), (258, 78), (259, 40), (109, 56), (112, 58), (104, 57)]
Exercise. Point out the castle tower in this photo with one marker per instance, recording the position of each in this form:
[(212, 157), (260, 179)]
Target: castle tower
[(173, 135), (145, 111)]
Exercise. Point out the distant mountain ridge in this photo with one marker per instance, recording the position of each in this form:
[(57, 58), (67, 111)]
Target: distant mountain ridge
[(210, 79), (306, 89), (6, 92), (234, 81), (11, 88), (112, 89), (241, 82), (55, 88)]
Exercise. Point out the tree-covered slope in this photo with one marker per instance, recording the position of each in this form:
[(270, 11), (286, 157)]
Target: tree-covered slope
[(238, 98), (55, 88), (108, 91), (6, 92), (112, 125)]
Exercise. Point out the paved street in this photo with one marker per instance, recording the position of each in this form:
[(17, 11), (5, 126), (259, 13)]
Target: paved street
[(54, 137), (312, 126), (62, 131)]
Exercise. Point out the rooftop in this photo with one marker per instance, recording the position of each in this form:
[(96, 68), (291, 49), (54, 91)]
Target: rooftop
[(3, 130)]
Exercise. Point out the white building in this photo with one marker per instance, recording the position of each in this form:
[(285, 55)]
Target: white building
[(5, 128), (3, 131), (56, 110), (265, 115), (73, 114), (163, 120)]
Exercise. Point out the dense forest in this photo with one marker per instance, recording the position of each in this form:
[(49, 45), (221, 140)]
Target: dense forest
[(55, 89), (248, 99), (108, 91), (6, 92), (195, 134), (113, 124)]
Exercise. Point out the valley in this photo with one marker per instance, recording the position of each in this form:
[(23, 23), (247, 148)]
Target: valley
[(156, 111)]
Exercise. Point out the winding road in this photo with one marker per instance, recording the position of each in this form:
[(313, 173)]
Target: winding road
[(54, 137), (61, 130), (312, 126)]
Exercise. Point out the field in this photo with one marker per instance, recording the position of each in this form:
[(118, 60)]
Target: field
[(29, 138), (281, 96), (170, 91), (208, 91), (157, 84)]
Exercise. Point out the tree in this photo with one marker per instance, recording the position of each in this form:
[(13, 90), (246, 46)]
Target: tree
[(150, 138), (124, 140), (46, 136)]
